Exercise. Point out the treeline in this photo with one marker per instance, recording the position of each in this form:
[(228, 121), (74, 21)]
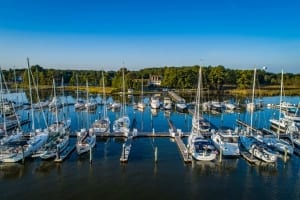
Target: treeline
[(186, 77)]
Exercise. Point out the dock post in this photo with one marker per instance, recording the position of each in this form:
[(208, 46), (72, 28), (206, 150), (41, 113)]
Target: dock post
[(91, 155), (188, 151), (23, 156), (123, 150), (221, 155), (285, 155), (153, 131), (155, 155), (57, 152)]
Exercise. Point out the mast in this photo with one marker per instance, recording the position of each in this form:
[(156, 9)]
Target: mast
[(30, 94), (124, 100), (280, 102), (77, 86), (2, 101), (196, 115), (56, 109), (104, 97), (252, 100)]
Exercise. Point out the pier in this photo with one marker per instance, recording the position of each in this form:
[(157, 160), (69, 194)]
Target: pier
[(175, 97), (241, 123), (187, 158)]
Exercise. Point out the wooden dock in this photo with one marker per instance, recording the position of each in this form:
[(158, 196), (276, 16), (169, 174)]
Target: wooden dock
[(187, 158), (175, 97), (66, 153), (138, 135), (241, 123), (250, 158)]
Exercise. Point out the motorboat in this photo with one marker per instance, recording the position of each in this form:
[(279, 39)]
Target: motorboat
[(226, 141)]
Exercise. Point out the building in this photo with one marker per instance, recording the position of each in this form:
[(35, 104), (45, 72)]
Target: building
[(155, 80)]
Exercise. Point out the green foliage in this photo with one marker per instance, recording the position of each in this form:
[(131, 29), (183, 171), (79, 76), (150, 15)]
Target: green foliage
[(185, 77)]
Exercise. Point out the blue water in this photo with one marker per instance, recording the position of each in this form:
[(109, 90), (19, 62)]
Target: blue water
[(141, 177)]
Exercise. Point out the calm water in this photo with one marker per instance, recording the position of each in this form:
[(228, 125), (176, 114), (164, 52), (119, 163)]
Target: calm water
[(141, 178)]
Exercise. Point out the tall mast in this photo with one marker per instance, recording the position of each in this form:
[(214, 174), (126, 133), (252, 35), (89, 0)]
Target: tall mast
[(2, 101), (30, 94), (124, 100), (77, 86), (280, 102), (252, 101), (104, 97), (56, 109)]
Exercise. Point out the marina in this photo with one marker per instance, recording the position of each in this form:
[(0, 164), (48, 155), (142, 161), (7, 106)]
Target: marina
[(154, 151)]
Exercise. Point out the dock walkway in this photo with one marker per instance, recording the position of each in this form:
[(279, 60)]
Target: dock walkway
[(187, 158), (175, 97)]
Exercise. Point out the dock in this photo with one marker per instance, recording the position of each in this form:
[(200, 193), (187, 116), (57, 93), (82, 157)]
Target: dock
[(177, 135), (241, 123), (138, 135), (187, 158), (63, 155), (175, 97), (250, 158)]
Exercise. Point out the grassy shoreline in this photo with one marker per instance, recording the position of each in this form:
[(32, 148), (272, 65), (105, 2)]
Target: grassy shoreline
[(263, 91)]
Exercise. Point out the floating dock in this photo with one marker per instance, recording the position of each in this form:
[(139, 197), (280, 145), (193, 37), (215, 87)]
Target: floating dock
[(187, 158), (175, 97), (250, 158), (63, 155)]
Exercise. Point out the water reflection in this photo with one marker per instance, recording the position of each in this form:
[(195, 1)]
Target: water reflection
[(12, 170)]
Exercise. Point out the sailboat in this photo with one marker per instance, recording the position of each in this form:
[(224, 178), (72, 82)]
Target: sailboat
[(15, 135), (86, 140), (102, 125), (121, 125), (249, 139), (58, 135), (90, 105), (141, 105), (38, 137), (200, 148), (79, 104)]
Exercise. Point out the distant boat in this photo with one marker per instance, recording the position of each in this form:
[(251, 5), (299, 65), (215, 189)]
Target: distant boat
[(167, 104), (90, 105), (181, 106), (79, 104), (154, 103), (141, 104)]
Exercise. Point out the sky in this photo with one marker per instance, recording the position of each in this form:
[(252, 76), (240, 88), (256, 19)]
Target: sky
[(104, 34)]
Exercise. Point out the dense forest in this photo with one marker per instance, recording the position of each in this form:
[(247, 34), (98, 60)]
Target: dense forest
[(185, 77)]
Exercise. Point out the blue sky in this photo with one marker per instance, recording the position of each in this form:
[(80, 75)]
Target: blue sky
[(103, 34)]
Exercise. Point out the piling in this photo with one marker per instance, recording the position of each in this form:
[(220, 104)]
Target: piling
[(221, 155), (91, 155), (285, 155), (23, 156), (124, 151), (155, 155), (57, 153)]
